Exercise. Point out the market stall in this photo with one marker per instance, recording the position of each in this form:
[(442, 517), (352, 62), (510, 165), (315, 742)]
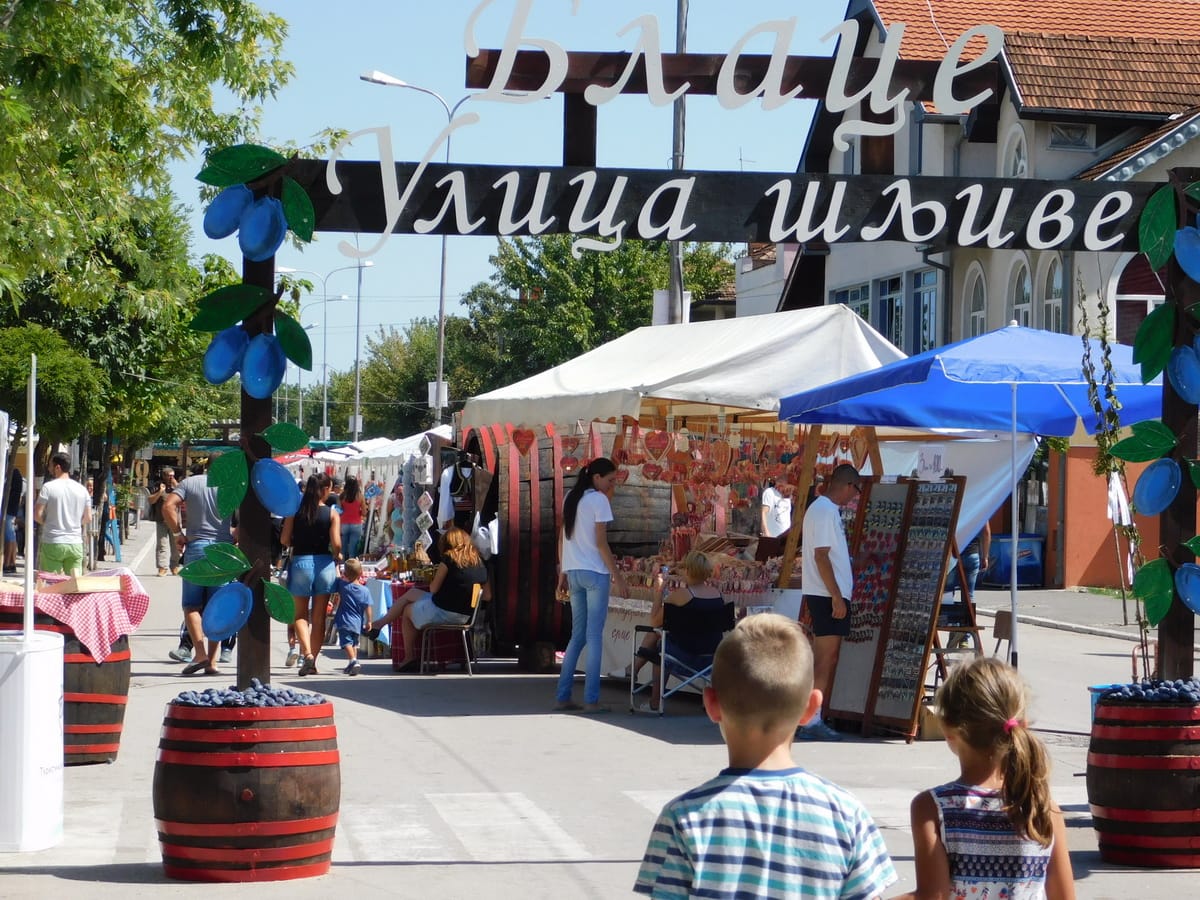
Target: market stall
[(690, 414)]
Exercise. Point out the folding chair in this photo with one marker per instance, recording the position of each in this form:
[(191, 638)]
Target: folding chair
[(1002, 632), (464, 630), (686, 669)]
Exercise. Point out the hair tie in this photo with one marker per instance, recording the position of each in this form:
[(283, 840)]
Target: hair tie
[(1010, 724)]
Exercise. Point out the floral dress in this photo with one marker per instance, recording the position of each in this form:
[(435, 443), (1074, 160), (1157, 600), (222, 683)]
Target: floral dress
[(989, 860)]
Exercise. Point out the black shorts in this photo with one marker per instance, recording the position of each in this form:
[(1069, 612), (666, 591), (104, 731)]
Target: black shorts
[(820, 611)]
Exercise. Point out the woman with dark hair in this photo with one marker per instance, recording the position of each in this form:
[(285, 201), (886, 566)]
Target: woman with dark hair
[(351, 517), (587, 570), (315, 536), (448, 600)]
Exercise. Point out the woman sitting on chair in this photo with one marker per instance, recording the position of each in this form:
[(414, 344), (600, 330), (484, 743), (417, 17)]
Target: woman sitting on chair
[(448, 600), (697, 619)]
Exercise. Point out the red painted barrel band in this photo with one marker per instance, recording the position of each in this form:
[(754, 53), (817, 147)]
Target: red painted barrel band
[(1146, 733), (111, 728), (1152, 841), (275, 873), (1142, 858), (120, 656), (250, 760), (1118, 814), (241, 829), (1145, 713), (249, 856), (1120, 761), (241, 713), (83, 749), (118, 699), (108, 699), (249, 735)]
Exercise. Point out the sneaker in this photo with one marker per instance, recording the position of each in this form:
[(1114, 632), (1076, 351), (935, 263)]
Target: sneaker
[(308, 667), (817, 732), (293, 657), (181, 654), (226, 655), (10, 570), (353, 668)]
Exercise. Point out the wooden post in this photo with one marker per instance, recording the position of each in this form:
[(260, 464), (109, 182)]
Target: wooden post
[(254, 522), (807, 466)]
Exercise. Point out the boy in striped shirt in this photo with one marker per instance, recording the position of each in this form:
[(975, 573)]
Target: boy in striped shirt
[(764, 827)]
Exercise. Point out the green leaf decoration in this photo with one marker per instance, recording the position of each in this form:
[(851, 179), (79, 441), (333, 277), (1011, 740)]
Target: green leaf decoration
[(1193, 191), (239, 164), (1150, 440), (1193, 544), (294, 340), (285, 437), (1154, 583), (279, 602), (1156, 227), (205, 574), (229, 305), (1152, 345), (227, 558), (298, 209), (1193, 467), (230, 475)]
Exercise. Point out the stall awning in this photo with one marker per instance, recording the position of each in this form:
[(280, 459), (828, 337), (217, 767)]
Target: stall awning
[(741, 364)]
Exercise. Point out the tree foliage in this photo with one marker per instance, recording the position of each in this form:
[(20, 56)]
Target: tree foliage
[(97, 96), (69, 387)]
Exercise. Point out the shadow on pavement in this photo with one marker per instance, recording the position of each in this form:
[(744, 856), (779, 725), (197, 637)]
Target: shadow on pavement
[(117, 873)]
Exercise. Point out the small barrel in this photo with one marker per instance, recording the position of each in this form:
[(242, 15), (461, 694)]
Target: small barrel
[(1143, 777), (247, 794), (94, 694)]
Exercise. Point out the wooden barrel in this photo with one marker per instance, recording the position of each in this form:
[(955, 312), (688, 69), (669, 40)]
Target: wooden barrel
[(247, 794), (1143, 778), (94, 694)]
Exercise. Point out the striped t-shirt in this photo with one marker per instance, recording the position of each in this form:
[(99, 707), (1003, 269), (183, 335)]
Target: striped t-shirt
[(754, 833), (988, 859)]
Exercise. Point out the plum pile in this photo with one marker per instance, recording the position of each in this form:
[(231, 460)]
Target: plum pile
[(258, 694), (1181, 690)]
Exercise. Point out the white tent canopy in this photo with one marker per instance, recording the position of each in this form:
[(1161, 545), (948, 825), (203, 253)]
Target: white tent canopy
[(744, 363)]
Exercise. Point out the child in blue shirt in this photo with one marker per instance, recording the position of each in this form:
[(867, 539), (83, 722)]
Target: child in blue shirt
[(351, 612)]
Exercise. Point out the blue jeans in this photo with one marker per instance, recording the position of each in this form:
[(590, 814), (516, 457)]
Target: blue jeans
[(971, 563), (195, 596), (351, 535), (589, 610)]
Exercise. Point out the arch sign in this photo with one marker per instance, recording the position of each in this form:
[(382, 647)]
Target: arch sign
[(605, 206)]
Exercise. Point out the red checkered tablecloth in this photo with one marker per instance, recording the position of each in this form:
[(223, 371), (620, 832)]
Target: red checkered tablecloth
[(97, 618)]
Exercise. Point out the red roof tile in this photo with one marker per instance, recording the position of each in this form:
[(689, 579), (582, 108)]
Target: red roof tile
[(927, 36)]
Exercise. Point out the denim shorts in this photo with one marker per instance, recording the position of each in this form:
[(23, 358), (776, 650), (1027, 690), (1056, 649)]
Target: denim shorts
[(10, 529), (347, 638), (311, 576), (425, 613), (195, 596)]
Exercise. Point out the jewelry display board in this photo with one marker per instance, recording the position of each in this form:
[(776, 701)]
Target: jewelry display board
[(899, 681), (874, 537)]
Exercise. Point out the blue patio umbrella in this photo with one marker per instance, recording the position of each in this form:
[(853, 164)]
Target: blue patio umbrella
[(1020, 380)]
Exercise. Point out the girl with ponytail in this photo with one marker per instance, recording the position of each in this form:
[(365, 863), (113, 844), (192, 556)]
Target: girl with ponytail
[(995, 831), (586, 572)]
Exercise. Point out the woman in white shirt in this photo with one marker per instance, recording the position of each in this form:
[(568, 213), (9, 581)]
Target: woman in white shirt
[(586, 572)]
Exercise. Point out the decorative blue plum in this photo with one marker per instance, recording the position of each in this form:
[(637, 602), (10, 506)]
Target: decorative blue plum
[(262, 366), (224, 214), (1187, 251), (275, 488), (224, 354), (263, 228)]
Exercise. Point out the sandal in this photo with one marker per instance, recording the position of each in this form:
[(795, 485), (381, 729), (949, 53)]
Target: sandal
[(410, 667), (211, 670), (196, 667)]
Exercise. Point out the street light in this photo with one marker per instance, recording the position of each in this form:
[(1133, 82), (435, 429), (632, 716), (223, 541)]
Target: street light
[(286, 270), (299, 387), (376, 77)]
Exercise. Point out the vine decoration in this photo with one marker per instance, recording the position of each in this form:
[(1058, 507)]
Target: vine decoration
[(1160, 237), (260, 202)]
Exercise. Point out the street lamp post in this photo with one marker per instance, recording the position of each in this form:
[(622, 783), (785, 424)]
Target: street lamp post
[(325, 298), (377, 77)]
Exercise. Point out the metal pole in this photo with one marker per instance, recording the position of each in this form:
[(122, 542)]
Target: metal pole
[(357, 344), (678, 311), (325, 369)]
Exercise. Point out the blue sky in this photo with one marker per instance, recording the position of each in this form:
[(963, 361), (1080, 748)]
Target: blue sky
[(423, 44)]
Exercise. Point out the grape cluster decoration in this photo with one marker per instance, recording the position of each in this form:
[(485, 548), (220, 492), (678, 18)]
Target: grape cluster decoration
[(258, 695)]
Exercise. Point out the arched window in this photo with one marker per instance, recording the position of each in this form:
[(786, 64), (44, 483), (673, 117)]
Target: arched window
[(976, 323), (1021, 300), (1016, 163), (1052, 300)]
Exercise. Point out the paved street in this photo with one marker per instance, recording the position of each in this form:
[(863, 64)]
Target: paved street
[(468, 787)]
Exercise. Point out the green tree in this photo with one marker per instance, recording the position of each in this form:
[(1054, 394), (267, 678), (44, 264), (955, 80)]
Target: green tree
[(69, 387), (544, 307)]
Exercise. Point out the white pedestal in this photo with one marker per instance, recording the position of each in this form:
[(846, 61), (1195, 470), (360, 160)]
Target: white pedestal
[(31, 741)]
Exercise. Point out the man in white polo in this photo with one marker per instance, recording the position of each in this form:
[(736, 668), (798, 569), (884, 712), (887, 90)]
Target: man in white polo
[(63, 510)]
